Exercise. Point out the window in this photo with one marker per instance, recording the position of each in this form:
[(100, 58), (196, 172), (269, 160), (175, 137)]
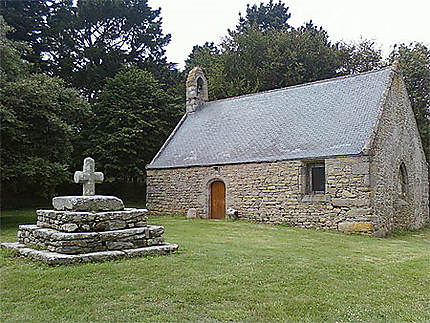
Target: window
[(316, 178), (403, 180), (199, 86)]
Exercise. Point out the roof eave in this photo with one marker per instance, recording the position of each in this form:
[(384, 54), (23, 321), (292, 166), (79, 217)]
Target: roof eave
[(253, 161)]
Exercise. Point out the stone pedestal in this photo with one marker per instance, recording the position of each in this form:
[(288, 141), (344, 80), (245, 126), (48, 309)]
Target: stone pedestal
[(89, 228)]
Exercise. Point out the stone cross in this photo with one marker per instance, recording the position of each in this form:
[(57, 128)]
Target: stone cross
[(88, 177)]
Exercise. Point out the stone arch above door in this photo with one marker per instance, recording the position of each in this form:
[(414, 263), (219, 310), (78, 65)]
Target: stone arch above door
[(205, 198)]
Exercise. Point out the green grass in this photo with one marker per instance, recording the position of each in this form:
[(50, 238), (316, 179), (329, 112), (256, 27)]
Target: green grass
[(228, 271)]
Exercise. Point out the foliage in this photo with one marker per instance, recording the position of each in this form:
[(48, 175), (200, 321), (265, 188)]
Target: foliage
[(414, 62), (264, 17), (89, 42), (361, 57), (264, 52), (28, 21), (228, 271), (39, 116), (133, 117), (256, 60), (11, 52)]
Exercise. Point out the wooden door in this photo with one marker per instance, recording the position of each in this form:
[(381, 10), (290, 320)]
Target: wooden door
[(217, 200)]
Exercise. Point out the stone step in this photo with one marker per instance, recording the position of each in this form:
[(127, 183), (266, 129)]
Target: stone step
[(54, 258), (78, 221), (84, 242)]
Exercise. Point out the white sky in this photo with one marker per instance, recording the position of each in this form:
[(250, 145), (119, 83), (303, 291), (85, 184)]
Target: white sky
[(193, 22)]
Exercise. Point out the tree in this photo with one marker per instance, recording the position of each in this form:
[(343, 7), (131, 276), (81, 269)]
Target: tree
[(256, 60), (12, 65), (27, 18), (414, 62), (89, 40), (264, 17), (40, 116), (361, 57), (133, 117)]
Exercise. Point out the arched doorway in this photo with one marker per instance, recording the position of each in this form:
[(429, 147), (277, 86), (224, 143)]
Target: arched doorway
[(217, 200)]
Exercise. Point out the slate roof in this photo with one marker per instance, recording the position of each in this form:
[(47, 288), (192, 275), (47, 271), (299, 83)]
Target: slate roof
[(326, 118)]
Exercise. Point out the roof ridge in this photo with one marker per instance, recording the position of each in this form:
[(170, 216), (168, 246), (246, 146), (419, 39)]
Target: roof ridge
[(301, 85)]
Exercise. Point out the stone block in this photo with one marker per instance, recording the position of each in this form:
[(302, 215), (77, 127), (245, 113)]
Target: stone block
[(348, 194), (349, 202), (356, 227), (68, 227), (192, 213), (361, 168), (88, 203), (358, 212)]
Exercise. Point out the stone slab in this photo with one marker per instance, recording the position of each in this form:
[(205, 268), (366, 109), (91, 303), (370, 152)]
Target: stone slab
[(54, 258), (84, 242), (350, 202), (80, 221), (356, 227), (87, 203)]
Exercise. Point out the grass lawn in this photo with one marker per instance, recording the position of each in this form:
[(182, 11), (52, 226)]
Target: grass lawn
[(228, 271)]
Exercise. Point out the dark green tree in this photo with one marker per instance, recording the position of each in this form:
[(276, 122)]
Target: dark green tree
[(264, 17), (210, 57), (133, 117), (12, 64), (414, 62), (360, 57), (28, 21), (256, 60), (40, 117), (90, 41)]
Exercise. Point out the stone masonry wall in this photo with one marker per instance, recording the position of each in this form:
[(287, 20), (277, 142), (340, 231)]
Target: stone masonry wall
[(397, 141), (272, 192)]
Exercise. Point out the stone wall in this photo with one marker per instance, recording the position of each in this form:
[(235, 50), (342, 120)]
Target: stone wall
[(397, 141), (272, 192)]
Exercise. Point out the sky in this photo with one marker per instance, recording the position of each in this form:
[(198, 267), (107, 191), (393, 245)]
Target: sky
[(387, 22)]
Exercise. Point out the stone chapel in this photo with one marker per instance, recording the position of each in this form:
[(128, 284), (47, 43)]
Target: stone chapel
[(342, 153)]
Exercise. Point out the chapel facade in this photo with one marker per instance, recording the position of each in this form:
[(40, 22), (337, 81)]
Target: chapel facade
[(340, 153)]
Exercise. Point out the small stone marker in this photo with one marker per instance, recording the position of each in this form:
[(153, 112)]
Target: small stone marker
[(192, 213), (88, 177)]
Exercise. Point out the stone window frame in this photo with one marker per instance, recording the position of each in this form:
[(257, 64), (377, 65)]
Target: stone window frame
[(309, 167), (403, 180), (307, 195), (199, 85)]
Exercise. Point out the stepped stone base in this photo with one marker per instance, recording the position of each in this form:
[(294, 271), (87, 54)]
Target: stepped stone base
[(79, 221), (54, 258), (84, 242)]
